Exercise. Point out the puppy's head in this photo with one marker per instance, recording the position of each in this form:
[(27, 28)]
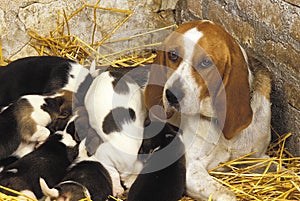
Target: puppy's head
[(59, 107), (202, 70)]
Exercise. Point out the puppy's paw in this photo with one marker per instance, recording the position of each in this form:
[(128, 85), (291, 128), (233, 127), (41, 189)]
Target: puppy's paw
[(41, 134)]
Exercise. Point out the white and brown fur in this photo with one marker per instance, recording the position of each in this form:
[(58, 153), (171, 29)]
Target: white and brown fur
[(201, 54), (23, 123), (115, 106)]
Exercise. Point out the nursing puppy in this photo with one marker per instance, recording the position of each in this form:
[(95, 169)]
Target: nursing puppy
[(163, 177), (115, 106), (86, 178), (23, 123), (42, 75), (48, 161), (202, 73)]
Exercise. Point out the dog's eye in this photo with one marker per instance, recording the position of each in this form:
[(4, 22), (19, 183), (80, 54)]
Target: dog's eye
[(205, 63), (173, 55)]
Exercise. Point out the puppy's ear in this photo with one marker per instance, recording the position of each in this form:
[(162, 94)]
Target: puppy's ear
[(232, 103), (50, 192), (155, 86)]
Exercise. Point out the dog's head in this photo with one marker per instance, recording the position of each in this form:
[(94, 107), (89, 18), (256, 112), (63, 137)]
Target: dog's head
[(201, 69)]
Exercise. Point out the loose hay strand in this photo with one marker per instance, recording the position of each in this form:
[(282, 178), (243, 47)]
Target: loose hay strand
[(283, 184), (73, 47), (17, 193)]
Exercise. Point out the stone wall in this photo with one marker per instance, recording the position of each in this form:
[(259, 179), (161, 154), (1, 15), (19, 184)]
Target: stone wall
[(269, 29), (19, 16)]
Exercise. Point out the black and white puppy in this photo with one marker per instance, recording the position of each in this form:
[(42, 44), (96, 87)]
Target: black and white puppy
[(42, 75), (23, 123), (49, 161), (86, 178), (163, 177), (115, 107)]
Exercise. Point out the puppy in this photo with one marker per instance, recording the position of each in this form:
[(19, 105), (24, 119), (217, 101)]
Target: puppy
[(42, 75), (115, 107), (163, 177), (86, 178), (48, 161), (23, 123)]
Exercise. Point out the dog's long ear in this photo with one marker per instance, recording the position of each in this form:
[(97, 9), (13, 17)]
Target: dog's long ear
[(232, 102), (155, 86)]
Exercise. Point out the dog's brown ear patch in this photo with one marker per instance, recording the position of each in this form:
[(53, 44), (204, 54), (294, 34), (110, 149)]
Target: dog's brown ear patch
[(155, 86), (26, 125), (234, 113)]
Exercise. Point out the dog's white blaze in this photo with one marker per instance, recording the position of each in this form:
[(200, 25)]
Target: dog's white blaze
[(190, 40), (184, 73)]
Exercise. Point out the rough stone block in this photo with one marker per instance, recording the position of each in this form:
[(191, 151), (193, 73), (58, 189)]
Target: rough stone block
[(183, 13), (2, 23), (293, 2), (295, 30), (37, 16), (239, 29), (267, 11), (195, 7), (282, 53), (293, 95)]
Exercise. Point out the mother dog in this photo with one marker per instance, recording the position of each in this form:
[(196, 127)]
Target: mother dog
[(202, 73)]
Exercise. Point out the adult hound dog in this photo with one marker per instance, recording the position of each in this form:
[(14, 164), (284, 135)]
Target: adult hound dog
[(204, 75)]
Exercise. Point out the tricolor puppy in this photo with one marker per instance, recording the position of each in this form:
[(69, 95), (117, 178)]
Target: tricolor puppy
[(203, 74), (42, 75), (163, 176), (115, 106), (86, 178), (49, 161), (23, 123)]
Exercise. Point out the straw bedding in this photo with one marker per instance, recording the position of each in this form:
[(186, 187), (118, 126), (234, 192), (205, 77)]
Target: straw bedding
[(249, 178)]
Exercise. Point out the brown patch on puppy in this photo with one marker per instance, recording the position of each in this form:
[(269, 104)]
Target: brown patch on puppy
[(26, 125), (60, 109)]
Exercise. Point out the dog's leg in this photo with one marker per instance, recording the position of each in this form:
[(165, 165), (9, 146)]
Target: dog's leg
[(116, 180), (106, 156), (130, 178), (201, 185)]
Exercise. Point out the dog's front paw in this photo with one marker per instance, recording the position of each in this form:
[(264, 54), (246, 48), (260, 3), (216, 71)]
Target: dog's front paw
[(41, 134)]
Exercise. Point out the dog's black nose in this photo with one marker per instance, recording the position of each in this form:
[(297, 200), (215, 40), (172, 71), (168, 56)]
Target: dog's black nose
[(174, 96)]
